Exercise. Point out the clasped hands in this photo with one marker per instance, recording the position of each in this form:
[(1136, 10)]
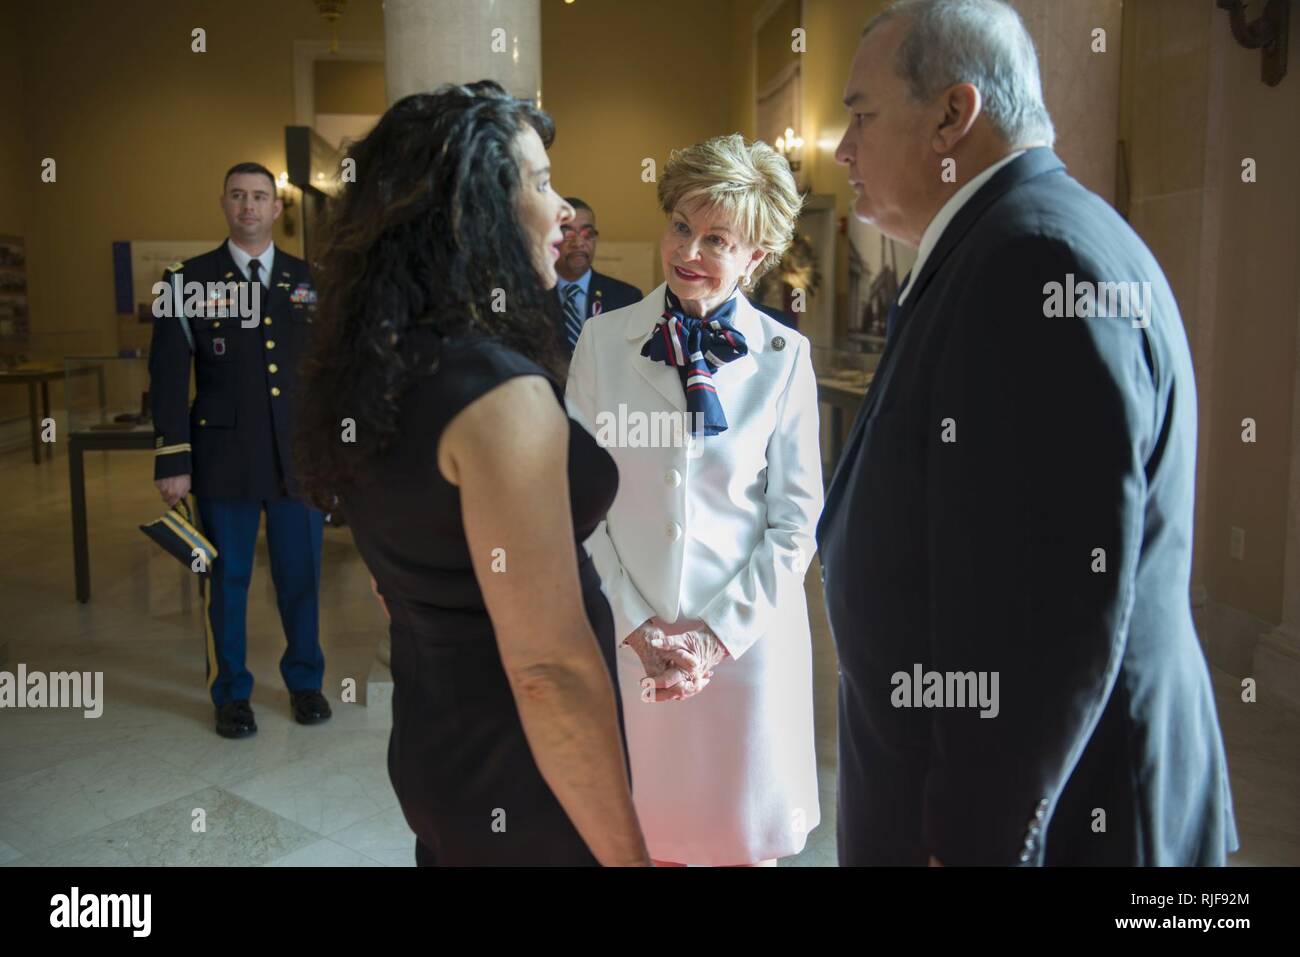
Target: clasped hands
[(676, 666)]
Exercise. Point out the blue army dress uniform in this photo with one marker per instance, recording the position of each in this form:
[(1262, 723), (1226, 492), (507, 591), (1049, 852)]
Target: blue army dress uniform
[(236, 443)]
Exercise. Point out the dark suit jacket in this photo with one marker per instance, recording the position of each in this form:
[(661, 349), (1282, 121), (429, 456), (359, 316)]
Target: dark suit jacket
[(236, 440), (1066, 435), (604, 294)]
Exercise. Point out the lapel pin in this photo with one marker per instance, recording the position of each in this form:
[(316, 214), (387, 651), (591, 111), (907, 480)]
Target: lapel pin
[(228, 275), (778, 343)]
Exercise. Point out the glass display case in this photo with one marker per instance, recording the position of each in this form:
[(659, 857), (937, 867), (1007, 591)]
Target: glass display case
[(844, 373), (107, 393), (842, 381)]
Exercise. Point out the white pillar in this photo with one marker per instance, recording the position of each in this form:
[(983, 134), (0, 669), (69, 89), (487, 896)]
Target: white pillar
[(431, 42)]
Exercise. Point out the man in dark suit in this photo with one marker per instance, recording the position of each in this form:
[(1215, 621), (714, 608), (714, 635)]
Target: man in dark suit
[(584, 292), (233, 447), (1006, 544)]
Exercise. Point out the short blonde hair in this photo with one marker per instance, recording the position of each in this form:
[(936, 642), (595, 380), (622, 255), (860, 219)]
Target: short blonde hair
[(749, 183)]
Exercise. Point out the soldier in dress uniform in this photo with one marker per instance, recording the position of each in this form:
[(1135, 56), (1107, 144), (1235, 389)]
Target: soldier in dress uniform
[(232, 447)]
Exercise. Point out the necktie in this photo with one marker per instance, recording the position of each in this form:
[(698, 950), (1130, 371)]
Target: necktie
[(697, 347), (895, 309), (572, 318), (253, 267)]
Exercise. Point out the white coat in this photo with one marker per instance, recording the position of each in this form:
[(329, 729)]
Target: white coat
[(718, 529)]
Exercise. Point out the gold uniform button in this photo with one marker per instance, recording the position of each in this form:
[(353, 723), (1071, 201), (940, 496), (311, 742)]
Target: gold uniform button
[(216, 325), (275, 390), (266, 321), (270, 343), (273, 368), (203, 421)]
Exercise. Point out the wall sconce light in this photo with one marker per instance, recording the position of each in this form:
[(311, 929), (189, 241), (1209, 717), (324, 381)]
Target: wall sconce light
[(791, 147), (1268, 34), (284, 190)]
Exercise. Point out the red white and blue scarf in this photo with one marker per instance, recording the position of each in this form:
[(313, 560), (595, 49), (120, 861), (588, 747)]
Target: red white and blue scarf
[(697, 347)]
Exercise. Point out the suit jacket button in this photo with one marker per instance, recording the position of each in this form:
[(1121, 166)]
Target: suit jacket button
[(674, 531), (266, 321), (275, 390), (270, 343), (1024, 857), (203, 421), (273, 368), (672, 478)]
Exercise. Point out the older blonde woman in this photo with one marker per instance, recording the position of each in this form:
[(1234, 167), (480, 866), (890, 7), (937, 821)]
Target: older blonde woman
[(709, 408)]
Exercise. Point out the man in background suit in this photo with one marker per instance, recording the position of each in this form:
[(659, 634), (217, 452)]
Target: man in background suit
[(235, 444), (584, 292), (1006, 544)]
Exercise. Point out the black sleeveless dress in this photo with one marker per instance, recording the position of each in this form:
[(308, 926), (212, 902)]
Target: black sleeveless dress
[(457, 756)]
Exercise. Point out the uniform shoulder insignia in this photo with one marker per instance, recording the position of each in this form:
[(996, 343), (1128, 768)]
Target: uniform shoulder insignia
[(177, 266)]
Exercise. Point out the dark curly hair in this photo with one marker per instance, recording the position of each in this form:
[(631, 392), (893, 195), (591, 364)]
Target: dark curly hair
[(418, 249)]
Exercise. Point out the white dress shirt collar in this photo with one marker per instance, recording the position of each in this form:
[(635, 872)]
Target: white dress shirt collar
[(583, 282), (946, 214), (266, 257)]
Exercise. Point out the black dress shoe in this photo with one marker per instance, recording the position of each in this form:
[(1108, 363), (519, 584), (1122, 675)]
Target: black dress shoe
[(309, 707), (235, 720)]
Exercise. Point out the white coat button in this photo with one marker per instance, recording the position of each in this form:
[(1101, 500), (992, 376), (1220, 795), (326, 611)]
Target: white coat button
[(674, 531), (672, 478)]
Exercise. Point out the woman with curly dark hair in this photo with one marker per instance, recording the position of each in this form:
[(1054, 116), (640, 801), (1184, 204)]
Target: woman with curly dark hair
[(431, 412)]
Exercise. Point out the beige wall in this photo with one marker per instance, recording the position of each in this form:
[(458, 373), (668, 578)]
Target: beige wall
[(142, 130), (1163, 123), (1193, 108), (1256, 304), (18, 176), (349, 86), (622, 86)]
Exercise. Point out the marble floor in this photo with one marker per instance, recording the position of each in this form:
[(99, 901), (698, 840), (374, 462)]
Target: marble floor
[(150, 783)]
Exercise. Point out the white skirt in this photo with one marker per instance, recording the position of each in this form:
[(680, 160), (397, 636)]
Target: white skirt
[(729, 776)]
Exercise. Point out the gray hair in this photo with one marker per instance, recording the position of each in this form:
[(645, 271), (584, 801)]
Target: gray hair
[(981, 42)]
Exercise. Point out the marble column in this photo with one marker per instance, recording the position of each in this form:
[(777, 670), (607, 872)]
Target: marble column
[(431, 42)]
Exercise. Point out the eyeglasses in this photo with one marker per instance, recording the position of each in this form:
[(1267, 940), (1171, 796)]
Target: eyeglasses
[(586, 232)]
